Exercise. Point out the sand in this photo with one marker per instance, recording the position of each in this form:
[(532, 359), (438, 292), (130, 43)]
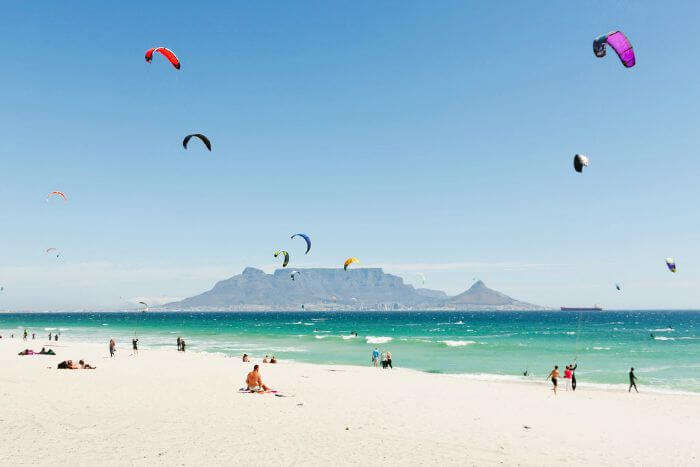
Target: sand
[(168, 407)]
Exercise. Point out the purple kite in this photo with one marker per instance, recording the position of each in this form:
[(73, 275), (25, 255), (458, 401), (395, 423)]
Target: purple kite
[(620, 45)]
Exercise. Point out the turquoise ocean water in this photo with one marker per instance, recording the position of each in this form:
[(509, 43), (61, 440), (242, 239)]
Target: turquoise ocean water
[(489, 344)]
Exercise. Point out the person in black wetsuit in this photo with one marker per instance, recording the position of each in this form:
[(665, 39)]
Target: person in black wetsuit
[(633, 383), (573, 376)]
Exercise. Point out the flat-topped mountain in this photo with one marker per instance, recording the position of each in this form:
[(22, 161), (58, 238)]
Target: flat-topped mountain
[(336, 289)]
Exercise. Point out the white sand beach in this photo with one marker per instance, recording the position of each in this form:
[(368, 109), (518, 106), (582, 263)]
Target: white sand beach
[(168, 407)]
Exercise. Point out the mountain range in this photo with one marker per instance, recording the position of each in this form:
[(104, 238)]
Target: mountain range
[(337, 289)]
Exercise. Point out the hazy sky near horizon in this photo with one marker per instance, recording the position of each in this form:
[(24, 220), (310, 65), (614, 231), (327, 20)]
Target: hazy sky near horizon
[(432, 137)]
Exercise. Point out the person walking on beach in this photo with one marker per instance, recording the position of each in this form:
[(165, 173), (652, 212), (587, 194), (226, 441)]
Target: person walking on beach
[(112, 347), (25, 335), (554, 376), (375, 357), (388, 359), (135, 346), (633, 381)]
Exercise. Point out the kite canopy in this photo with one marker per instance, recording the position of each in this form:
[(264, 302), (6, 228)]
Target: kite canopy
[(54, 251), (306, 238), (671, 264), (286, 257), (294, 273), (619, 43), (57, 193), (580, 161), (618, 286), (349, 261), (204, 139), (167, 53)]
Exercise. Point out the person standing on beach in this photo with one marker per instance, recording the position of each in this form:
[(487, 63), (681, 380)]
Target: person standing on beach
[(50, 336), (25, 335), (112, 347), (388, 359), (55, 337), (375, 357), (179, 344), (633, 381), (554, 376), (182, 344), (573, 376), (135, 346)]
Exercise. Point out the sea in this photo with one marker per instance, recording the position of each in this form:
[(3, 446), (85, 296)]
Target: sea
[(662, 346)]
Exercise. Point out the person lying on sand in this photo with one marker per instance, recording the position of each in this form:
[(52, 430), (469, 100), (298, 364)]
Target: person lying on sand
[(67, 365), (27, 352), (86, 366), (43, 351), (254, 381)]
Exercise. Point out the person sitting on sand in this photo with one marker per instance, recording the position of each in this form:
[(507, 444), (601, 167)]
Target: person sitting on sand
[(254, 381), (67, 365), (43, 351), (554, 375), (273, 359), (85, 366), (266, 359), (246, 358)]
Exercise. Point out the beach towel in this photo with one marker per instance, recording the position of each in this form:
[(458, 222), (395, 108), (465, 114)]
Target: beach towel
[(248, 391)]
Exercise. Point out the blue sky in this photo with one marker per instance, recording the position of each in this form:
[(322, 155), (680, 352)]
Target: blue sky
[(432, 137)]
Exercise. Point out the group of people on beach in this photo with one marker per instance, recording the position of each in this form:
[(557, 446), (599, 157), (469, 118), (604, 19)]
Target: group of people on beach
[(570, 378), (382, 358), (180, 344), (70, 365)]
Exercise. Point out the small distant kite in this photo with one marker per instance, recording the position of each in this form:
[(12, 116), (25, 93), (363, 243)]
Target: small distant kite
[(167, 53), (619, 43), (204, 139), (618, 286), (349, 261), (145, 306), (286, 257), (54, 251), (580, 161), (56, 193), (306, 238), (671, 264)]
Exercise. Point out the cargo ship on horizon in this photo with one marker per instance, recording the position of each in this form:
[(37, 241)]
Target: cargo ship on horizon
[(582, 308)]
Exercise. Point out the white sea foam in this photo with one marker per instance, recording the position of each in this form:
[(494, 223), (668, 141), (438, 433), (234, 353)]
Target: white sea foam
[(378, 340), (460, 322), (663, 338), (351, 336), (49, 329), (320, 337), (601, 348), (570, 333), (457, 343), (662, 330)]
